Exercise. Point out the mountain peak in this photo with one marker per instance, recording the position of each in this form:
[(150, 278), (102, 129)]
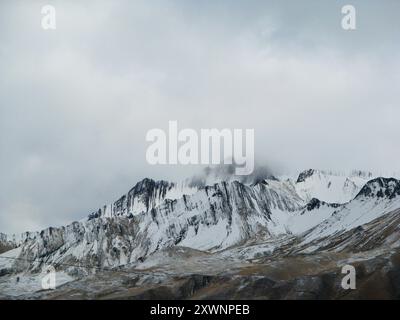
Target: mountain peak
[(380, 187), (148, 184), (304, 175)]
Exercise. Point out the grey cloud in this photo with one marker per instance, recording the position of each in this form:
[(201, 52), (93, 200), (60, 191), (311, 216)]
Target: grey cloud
[(76, 103)]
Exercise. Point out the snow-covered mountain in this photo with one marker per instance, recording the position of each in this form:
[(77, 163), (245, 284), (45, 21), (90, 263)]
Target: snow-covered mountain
[(324, 185), (330, 186), (377, 198), (155, 215), (148, 194), (215, 217), (144, 196)]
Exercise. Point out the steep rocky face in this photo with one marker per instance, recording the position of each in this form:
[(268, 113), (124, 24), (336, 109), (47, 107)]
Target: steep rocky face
[(215, 217), (316, 204), (304, 175), (5, 243), (380, 188), (98, 242), (143, 197)]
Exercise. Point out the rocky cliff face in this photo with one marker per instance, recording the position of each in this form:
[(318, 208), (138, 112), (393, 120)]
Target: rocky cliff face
[(380, 188), (6, 243), (144, 196)]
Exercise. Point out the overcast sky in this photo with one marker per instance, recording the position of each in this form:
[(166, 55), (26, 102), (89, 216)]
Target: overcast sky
[(76, 102)]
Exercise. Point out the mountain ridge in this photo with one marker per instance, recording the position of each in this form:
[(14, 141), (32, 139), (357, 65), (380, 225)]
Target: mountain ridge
[(226, 222), (213, 218)]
